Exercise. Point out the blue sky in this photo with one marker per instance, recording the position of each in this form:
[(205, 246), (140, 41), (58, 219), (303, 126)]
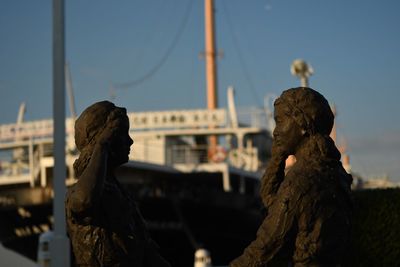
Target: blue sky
[(352, 46)]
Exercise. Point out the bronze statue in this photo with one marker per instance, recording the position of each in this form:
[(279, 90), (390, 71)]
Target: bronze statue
[(103, 222), (309, 208)]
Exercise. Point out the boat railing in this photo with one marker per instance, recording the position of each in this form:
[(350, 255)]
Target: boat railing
[(27, 161), (255, 117), (188, 154), (245, 158), (19, 164)]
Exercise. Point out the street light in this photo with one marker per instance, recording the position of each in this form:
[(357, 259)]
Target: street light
[(301, 69)]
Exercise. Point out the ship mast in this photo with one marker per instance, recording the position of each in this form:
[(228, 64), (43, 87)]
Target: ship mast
[(211, 64), (210, 54)]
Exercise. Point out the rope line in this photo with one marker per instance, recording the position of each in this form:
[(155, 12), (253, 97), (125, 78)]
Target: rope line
[(242, 62), (162, 61)]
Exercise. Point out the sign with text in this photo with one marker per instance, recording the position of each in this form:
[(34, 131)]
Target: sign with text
[(197, 118), (177, 119)]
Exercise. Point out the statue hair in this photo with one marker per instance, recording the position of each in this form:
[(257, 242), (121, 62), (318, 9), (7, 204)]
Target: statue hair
[(312, 112), (88, 126)]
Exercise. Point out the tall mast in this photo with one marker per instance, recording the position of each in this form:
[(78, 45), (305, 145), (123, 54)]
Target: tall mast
[(211, 64), (210, 54)]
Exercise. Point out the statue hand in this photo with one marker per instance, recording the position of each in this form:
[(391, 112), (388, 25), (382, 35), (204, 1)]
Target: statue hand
[(274, 174), (277, 153)]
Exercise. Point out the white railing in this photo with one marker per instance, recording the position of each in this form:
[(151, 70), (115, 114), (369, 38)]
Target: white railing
[(254, 117), (186, 154), (31, 130), (246, 158)]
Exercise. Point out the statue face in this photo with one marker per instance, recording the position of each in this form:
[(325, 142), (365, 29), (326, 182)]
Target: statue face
[(287, 133), (121, 142)]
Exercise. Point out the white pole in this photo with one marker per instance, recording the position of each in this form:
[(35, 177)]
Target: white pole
[(232, 107), (304, 81), (59, 246)]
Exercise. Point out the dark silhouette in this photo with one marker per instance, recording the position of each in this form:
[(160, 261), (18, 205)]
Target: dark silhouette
[(309, 208), (103, 222)]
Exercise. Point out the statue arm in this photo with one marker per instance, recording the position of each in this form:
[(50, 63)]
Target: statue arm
[(87, 191), (277, 230), (273, 176)]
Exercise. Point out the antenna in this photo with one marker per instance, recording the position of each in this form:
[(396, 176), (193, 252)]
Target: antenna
[(70, 91), (232, 107), (112, 92), (268, 100), (18, 153), (21, 113)]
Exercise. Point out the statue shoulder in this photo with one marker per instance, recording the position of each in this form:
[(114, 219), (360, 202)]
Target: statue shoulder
[(290, 185), (301, 178), (69, 193)]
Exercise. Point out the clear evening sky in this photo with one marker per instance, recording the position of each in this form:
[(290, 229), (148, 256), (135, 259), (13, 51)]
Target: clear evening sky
[(353, 47)]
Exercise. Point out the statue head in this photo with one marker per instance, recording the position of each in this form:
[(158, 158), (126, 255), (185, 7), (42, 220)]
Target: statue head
[(89, 127), (300, 113)]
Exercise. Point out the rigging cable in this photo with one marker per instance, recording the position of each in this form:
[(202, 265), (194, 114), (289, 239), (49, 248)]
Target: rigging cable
[(240, 56), (162, 61)]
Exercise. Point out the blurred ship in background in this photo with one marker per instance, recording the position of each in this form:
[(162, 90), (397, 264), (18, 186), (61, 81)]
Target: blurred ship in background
[(191, 194), (194, 173)]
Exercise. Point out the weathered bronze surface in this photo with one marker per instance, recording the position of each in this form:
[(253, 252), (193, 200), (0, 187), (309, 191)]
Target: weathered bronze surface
[(309, 208), (103, 222)]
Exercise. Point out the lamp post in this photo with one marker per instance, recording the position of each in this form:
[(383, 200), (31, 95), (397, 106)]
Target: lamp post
[(302, 70), (59, 245)]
